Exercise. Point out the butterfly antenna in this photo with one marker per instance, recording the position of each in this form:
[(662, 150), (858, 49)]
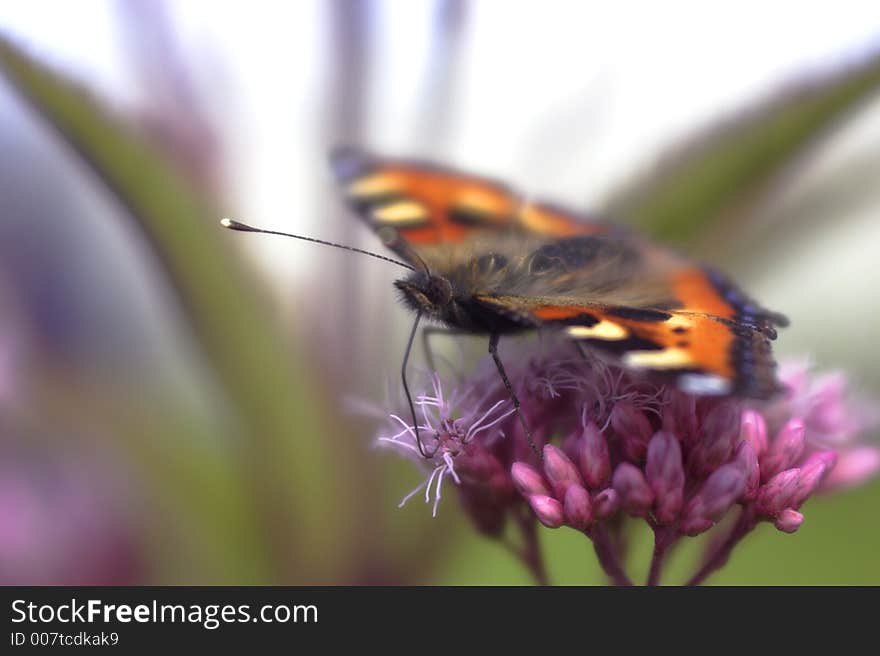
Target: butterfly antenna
[(242, 227), (412, 407)]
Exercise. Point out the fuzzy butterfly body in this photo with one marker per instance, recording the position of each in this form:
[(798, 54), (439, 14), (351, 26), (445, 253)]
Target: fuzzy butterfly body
[(487, 260)]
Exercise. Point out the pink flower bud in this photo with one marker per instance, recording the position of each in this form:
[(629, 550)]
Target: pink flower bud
[(547, 509), (784, 450), (527, 480), (812, 473), (593, 457), (497, 488), (720, 491), (748, 462), (636, 496), (665, 475), (560, 471), (718, 437), (570, 444), (724, 418), (606, 503), (633, 428), (577, 507), (753, 429), (776, 494), (693, 526), (789, 520), (680, 417)]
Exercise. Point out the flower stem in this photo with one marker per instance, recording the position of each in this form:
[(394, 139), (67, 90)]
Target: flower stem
[(531, 554), (607, 555), (720, 553), (663, 539)]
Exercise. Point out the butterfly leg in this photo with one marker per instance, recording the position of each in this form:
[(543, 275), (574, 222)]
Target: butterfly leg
[(412, 407), (493, 350)]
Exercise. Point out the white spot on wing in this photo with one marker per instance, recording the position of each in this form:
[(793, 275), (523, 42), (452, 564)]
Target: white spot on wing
[(670, 358), (607, 330), (401, 212), (703, 384)]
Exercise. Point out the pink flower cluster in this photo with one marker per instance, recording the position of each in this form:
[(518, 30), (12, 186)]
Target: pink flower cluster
[(673, 478), (613, 444)]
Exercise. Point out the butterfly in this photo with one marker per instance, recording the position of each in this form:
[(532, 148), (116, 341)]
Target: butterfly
[(487, 260)]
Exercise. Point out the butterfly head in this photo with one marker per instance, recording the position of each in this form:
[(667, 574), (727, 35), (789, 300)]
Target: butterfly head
[(427, 293)]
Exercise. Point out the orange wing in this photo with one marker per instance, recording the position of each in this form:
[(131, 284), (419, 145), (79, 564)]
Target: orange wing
[(428, 205)]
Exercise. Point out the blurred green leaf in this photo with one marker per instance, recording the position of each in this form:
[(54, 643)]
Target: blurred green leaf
[(285, 463), (720, 171)]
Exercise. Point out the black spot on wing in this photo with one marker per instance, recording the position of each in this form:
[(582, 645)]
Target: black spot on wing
[(364, 204), (639, 314), (582, 319), (468, 216)]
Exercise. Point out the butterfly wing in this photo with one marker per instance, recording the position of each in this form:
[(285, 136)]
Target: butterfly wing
[(440, 216)]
